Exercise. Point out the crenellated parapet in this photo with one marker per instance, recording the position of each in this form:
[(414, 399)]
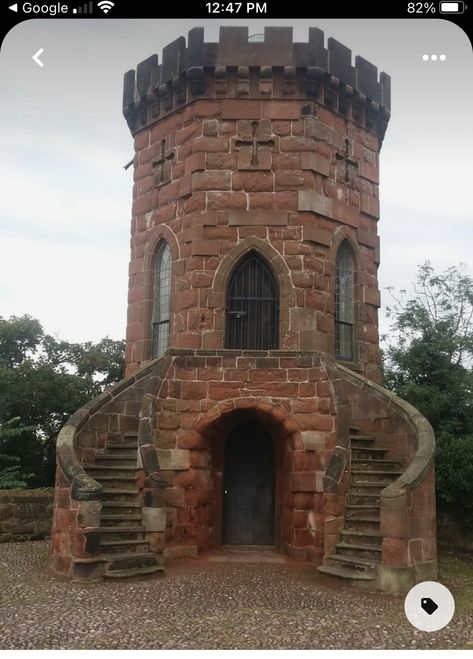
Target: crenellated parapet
[(275, 68)]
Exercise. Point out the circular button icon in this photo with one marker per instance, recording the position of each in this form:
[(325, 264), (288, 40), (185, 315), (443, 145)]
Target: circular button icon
[(429, 606)]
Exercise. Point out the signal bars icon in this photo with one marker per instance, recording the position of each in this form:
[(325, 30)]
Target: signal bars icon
[(105, 5)]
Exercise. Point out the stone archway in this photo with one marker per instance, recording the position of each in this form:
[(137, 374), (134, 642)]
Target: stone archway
[(221, 430)]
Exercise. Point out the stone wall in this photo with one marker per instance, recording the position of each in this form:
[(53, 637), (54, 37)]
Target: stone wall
[(77, 501), (204, 396), (408, 510), (294, 207), (25, 515)]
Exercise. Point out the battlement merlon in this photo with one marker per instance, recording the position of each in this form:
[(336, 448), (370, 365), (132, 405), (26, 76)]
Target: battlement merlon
[(273, 68)]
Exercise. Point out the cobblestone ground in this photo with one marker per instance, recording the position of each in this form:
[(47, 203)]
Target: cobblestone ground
[(208, 605)]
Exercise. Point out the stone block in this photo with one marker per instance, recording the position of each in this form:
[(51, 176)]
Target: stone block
[(394, 551), (309, 200), (394, 522), (88, 513), (174, 459), (257, 217), (315, 162), (88, 570), (313, 440), (241, 109), (303, 319), (319, 481), (302, 481), (153, 519), (5, 511)]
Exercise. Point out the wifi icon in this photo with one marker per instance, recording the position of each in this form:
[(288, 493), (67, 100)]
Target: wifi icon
[(105, 5)]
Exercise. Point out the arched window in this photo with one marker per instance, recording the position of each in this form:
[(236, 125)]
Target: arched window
[(161, 300), (252, 307), (344, 308)]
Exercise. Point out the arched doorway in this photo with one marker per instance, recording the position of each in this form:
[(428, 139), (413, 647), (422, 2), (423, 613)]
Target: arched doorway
[(249, 486)]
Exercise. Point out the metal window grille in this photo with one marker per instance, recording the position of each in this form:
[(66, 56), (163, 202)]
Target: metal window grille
[(252, 312), (162, 300), (344, 313)]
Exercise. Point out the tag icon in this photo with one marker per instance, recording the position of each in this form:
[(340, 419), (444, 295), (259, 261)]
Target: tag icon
[(428, 605)]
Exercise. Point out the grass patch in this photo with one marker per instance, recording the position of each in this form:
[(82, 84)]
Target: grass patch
[(455, 571)]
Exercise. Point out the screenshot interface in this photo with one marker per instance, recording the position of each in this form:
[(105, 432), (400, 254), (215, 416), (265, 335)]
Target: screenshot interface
[(234, 183)]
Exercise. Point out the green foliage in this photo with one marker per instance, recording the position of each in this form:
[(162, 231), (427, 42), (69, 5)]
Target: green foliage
[(42, 382), (18, 338), (454, 474), (428, 361), (11, 475)]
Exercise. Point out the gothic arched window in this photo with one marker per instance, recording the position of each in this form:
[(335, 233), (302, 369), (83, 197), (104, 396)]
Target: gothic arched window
[(161, 300), (252, 306), (344, 303)]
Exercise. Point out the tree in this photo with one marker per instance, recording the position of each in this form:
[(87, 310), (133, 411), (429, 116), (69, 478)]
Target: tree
[(42, 382), (11, 476), (428, 361)]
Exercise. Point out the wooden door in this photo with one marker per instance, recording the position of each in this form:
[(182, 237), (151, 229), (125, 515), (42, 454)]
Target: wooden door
[(248, 486)]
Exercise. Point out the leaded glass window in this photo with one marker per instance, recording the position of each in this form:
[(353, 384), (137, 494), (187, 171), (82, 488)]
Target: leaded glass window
[(344, 307), (162, 300)]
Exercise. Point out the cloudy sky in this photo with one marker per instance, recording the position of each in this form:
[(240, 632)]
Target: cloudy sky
[(65, 199)]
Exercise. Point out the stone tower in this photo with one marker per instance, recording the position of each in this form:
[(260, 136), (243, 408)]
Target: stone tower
[(252, 412)]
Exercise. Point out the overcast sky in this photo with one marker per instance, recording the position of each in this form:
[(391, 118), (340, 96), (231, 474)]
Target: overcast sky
[(65, 201)]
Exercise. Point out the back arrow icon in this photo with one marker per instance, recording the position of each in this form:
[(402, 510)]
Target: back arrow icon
[(36, 57)]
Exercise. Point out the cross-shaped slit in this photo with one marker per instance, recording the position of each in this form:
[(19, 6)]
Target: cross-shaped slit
[(348, 162), (254, 142), (163, 176)]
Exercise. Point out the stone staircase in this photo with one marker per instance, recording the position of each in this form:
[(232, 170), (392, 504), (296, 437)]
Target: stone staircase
[(358, 550), (123, 540)]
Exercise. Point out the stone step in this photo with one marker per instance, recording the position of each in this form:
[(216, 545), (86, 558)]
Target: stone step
[(124, 537), (361, 488), (127, 560), (119, 495), (361, 441), (368, 538), (98, 471), (354, 560), (375, 464), (363, 499), (368, 453), (132, 572), (116, 456), (119, 520), (361, 508), (345, 573), (375, 475), (363, 551), (120, 508), (116, 447), (122, 533), (364, 518), (360, 523), (124, 483), (119, 546), (118, 465), (123, 529)]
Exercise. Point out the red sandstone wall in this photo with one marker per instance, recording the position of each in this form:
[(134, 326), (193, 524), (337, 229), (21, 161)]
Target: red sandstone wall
[(200, 402), (295, 207)]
